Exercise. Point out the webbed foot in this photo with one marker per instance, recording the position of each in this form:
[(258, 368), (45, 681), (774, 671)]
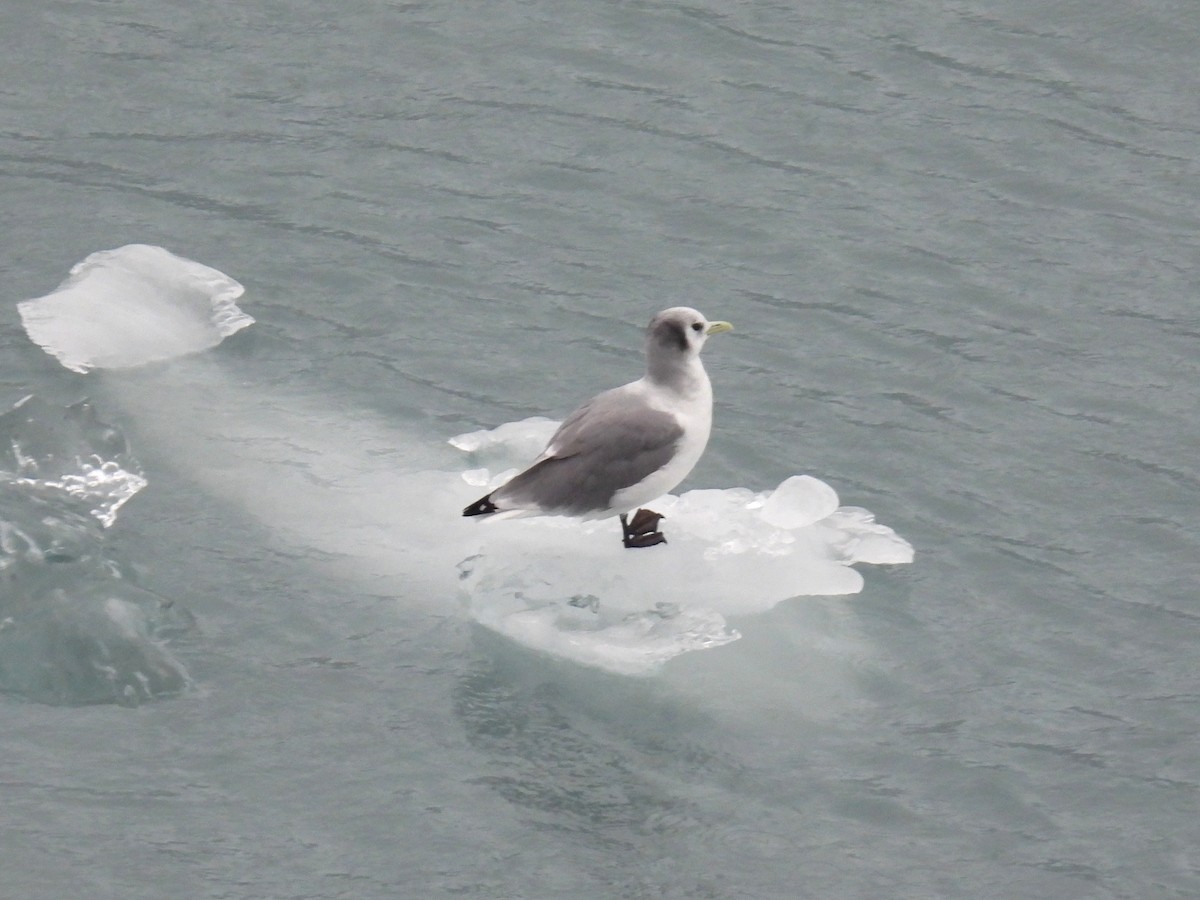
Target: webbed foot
[(642, 530)]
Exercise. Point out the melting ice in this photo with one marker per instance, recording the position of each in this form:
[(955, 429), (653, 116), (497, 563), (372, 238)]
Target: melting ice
[(571, 589), (560, 586), (71, 451), (131, 306), (73, 628)]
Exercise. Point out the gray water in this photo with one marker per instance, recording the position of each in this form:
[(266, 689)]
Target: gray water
[(959, 243)]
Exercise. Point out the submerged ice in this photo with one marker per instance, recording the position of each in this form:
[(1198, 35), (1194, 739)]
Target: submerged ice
[(69, 451), (569, 588), (134, 305), (73, 628)]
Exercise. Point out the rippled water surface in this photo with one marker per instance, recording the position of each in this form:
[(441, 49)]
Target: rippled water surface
[(959, 243)]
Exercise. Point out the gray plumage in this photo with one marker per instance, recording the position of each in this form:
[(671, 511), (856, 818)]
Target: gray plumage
[(598, 450), (627, 445)]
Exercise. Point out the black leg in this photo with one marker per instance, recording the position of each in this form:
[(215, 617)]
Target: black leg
[(643, 530)]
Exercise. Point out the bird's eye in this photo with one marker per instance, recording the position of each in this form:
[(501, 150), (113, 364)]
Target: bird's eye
[(697, 326)]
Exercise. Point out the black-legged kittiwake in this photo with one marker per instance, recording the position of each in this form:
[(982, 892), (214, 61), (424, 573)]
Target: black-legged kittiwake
[(628, 445)]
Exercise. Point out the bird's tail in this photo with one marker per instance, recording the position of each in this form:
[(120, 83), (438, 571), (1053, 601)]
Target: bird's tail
[(481, 507)]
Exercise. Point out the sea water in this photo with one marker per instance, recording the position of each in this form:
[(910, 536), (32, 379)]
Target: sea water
[(958, 244)]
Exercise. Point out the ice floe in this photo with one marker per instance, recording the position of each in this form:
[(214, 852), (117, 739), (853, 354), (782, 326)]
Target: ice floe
[(134, 305), (569, 588)]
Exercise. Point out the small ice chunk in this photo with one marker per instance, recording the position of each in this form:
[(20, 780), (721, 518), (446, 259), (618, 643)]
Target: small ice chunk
[(503, 451), (133, 305), (859, 538), (798, 502), (510, 444), (70, 450), (476, 477)]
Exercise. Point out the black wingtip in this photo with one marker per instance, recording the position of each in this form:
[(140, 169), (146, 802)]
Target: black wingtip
[(481, 507)]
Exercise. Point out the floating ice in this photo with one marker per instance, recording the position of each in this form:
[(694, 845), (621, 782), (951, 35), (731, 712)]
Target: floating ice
[(569, 588), (73, 637), (71, 451), (367, 501), (348, 491), (73, 629), (799, 501), (131, 306), (511, 443)]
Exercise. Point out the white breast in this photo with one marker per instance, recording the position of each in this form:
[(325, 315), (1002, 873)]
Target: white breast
[(693, 412)]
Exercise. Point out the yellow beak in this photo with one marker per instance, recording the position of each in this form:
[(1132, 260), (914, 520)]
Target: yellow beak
[(718, 327)]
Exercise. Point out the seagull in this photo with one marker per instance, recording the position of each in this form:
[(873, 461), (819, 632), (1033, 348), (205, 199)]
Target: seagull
[(626, 446)]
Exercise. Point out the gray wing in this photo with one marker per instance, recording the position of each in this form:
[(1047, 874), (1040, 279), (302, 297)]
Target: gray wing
[(611, 442)]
